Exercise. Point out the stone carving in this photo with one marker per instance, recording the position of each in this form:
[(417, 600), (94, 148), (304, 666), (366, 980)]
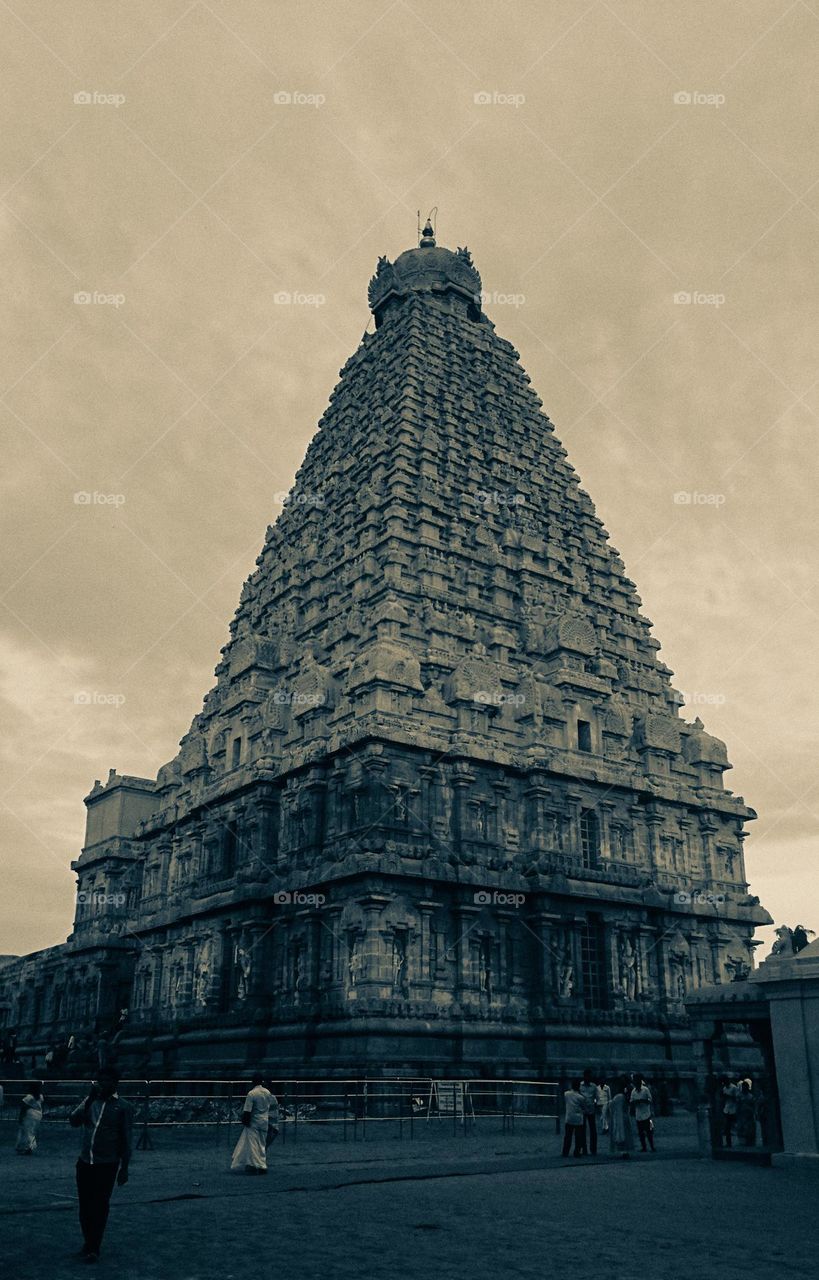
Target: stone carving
[(202, 973), (783, 946), (737, 967), (244, 967), (355, 964), (628, 967), (570, 632), (399, 962)]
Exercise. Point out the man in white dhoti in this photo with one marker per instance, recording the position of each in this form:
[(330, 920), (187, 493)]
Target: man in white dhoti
[(250, 1152)]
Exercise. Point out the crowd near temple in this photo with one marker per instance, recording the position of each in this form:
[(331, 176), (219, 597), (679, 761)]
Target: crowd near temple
[(442, 812)]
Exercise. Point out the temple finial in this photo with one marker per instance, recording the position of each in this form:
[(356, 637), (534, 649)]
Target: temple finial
[(427, 240)]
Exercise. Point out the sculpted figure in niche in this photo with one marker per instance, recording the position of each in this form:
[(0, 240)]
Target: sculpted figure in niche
[(201, 981), (566, 970), (355, 965), (628, 968), (244, 964), (399, 962)]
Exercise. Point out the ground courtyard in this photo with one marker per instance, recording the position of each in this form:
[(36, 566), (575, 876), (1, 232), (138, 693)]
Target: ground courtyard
[(439, 1205)]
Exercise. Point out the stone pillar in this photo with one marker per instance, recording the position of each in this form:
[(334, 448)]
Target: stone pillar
[(791, 986), (426, 976), (464, 917)]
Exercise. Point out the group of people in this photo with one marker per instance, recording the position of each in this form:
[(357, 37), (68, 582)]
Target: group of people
[(740, 1111), (614, 1106), (106, 1121)]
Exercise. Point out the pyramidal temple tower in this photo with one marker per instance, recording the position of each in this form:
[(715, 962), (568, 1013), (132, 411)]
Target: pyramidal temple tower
[(440, 811)]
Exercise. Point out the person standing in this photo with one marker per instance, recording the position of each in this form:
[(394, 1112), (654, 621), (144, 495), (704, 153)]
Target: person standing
[(641, 1100), (574, 1120), (730, 1095), (603, 1104), (746, 1114), (30, 1118), (621, 1138), (107, 1123), (250, 1152), (588, 1092)]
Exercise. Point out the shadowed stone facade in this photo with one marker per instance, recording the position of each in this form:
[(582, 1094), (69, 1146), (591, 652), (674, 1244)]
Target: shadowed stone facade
[(440, 810)]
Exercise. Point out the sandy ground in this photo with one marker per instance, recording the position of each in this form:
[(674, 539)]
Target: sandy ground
[(489, 1205)]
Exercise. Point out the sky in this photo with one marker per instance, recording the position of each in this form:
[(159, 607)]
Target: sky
[(194, 197)]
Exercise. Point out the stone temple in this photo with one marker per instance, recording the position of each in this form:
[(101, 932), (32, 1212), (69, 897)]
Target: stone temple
[(439, 813)]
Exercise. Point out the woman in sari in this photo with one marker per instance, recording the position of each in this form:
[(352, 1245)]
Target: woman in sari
[(250, 1152), (30, 1117), (621, 1138)]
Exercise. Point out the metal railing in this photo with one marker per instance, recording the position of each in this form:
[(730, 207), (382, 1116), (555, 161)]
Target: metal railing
[(345, 1109)]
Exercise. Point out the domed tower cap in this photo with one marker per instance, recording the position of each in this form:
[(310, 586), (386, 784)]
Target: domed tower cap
[(430, 269)]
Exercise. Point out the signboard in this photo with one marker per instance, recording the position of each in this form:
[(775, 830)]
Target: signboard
[(450, 1098)]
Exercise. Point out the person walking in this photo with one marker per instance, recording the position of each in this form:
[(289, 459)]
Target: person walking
[(30, 1118), (588, 1092), (574, 1121), (641, 1100), (603, 1104), (730, 1096), (250, 1152), (107, 1123), (621, 1137)]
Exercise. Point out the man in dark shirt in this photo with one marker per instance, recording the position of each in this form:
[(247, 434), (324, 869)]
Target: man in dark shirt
[(106, 1121)]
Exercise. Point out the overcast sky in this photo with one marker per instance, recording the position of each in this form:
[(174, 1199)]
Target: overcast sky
[(598, 159)]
